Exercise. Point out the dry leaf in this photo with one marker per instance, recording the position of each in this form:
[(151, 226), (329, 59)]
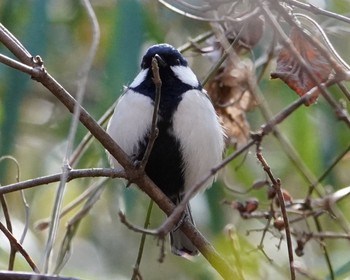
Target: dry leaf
[(232, 99), (292, 73)]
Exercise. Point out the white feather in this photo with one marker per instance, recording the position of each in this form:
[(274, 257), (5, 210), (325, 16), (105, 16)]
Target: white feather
[(201, 136), (131, 120), (139, 78), (185, 75)]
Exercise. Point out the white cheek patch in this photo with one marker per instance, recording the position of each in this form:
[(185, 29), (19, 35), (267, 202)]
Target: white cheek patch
[(185, 75), (139, 78)]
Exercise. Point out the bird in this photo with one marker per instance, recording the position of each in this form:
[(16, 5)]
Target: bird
[(190, 140)]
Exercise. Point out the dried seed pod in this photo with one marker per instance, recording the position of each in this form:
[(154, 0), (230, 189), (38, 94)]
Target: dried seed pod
[(279, 223), (251, 205)]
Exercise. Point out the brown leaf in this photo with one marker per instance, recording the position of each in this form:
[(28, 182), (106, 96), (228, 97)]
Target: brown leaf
[(231, 98), (292, 73)]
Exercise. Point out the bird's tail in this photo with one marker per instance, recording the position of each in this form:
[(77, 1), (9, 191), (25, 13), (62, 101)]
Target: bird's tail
[(180, 244)]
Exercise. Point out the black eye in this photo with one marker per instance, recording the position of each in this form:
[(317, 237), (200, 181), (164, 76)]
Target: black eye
[(178, 61)]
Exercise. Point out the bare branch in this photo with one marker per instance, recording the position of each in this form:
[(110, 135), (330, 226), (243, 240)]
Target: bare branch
[(276, 183), (15, 46), (318, 11), (72, 174), (18, 247), (131, 173)]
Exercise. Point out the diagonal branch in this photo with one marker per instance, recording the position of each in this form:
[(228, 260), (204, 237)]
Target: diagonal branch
[(18, 247), (132, 174)]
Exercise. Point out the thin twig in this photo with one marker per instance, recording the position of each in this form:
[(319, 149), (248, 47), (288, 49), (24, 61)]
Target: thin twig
[(154, 129), (135, 228), (345, 91), (15, 46), (318, 11), (326, 172), (87, 140), (324, 248), (73, 129), (287, 147), (72, 174), (18, 65), (198, 39), (265, 129), (136, 271), (4, 207), (176, 214), (7, 214), (73, 225), (340, 112), (134, 174), (44, 223), (276, 183), (18, 247)]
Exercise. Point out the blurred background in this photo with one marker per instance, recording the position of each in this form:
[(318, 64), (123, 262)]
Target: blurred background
[(34, 128)]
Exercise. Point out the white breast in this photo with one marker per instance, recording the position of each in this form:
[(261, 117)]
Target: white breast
[(201, 136), (130, 122)]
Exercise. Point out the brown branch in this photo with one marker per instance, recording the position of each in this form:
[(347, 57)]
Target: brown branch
[(177, 213), (154, 129), (132, 174), (276, 183), (256, 137), (13, 250), (72, 174), (18, 247), (15, 46), (323, 235), (18, 65)]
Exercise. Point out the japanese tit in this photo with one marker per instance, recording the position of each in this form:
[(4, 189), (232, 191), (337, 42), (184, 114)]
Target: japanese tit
[(190, 139)]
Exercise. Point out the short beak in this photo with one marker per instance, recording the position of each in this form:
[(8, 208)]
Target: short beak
[(161, 62)]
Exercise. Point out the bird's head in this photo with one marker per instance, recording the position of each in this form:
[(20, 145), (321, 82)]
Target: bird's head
[(167, 56), (173, 68)]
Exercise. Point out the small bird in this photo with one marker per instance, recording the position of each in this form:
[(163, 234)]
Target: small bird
[(190, 139)]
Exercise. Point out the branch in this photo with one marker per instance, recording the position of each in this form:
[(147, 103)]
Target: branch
[(318, 11), (15, 46), (276, 183), (18, 247), (131, 173), (71, 136), (340, 112), (154, 129), (72, 174)]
